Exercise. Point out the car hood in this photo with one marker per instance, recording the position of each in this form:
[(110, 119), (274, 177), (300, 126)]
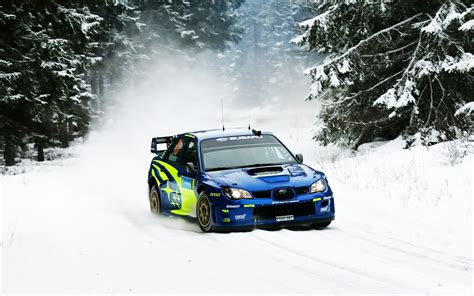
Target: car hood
[(268, 177)]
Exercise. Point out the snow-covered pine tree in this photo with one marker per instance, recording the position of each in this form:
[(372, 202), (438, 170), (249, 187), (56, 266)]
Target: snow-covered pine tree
[(262, 64), (65, 56), (136, 31), (57, 56), (13, 101), (392, 68), (189, 23), (44, 94), (120, 46)]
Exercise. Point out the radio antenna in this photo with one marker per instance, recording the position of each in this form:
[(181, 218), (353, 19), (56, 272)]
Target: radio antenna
[(249, 122), (222, 114)]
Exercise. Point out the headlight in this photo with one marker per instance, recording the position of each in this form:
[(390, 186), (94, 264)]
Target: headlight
[(236, 193), (318, 186)]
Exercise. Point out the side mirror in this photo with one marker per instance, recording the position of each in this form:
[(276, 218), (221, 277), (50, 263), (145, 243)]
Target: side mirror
[(190, 167), (158, 148), (153, 147), (299, 157)]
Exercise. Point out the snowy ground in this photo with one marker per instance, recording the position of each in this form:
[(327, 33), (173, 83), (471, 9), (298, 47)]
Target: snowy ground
[(82, 225), (404, 222)]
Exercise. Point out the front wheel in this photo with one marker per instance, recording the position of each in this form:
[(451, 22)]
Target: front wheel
[(155, 204), (203, 213)]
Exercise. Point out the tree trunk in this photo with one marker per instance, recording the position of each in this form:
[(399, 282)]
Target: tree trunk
[(10, 151), (365, 136), (100, 92), (63, 135), (70, 130), (40, 148)]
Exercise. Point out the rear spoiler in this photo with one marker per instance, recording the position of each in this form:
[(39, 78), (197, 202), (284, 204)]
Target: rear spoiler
[(159, 140)]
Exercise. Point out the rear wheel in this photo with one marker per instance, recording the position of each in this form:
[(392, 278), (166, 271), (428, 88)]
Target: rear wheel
[(155, 204), (203, 212)]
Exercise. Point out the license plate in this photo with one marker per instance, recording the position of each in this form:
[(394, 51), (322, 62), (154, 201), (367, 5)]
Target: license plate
[(285, 218)]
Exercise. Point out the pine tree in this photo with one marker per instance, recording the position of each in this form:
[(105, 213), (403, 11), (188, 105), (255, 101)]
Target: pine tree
[(57, 57), (16, 91), (45, 95), (264, 63), (393, 68)]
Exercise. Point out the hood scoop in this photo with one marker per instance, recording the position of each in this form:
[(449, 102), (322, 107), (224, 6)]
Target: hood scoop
[(265, 171), (271, 174)]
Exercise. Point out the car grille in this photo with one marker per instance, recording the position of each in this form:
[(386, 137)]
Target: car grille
[(290, 193), (295, 209), (261, 194), (283, 193)]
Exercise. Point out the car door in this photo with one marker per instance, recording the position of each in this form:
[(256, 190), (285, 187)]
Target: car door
[(188, 178), (169, 172), (178, 189)]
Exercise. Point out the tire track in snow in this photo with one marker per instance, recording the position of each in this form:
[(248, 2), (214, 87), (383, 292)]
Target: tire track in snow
[(337, 266), (310, 273), (452, 262)]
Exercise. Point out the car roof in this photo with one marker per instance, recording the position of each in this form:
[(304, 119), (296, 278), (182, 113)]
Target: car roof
[(219, 133)]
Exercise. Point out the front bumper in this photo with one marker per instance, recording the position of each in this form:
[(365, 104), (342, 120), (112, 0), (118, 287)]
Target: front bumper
[(261, 213)]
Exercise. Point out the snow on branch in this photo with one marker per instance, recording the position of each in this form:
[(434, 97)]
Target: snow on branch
[(447, 13), (463, 64), (362, 42), (7, 16), (467, 26), (466, 109), (85, 20), (321, 20), (9, 76), (398, 96)]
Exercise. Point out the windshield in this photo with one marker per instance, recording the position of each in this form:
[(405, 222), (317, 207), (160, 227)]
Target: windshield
[(243, 151)]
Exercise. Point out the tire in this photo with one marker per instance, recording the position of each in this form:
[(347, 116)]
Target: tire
[(203, 213), (321, 225), (155, 200)]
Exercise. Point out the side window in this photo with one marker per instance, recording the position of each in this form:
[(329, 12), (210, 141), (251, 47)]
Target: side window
[(190, 154), (174, 151)]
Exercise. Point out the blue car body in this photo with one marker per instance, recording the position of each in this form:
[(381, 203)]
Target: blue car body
[(281, 194)]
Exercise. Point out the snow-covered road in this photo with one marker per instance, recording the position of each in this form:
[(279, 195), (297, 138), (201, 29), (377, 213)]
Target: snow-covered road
[(82, 225)]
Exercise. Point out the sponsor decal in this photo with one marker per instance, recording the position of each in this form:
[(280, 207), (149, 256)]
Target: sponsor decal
[(284, 202), (240, 217), (243, 138), (237, 138), (226, 220), (232, 206), (285, 218), (215, 194), (187, 183), (327, 197)]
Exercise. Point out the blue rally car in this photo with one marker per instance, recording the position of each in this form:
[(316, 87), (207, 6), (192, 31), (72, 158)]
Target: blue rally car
[(236, 179)]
